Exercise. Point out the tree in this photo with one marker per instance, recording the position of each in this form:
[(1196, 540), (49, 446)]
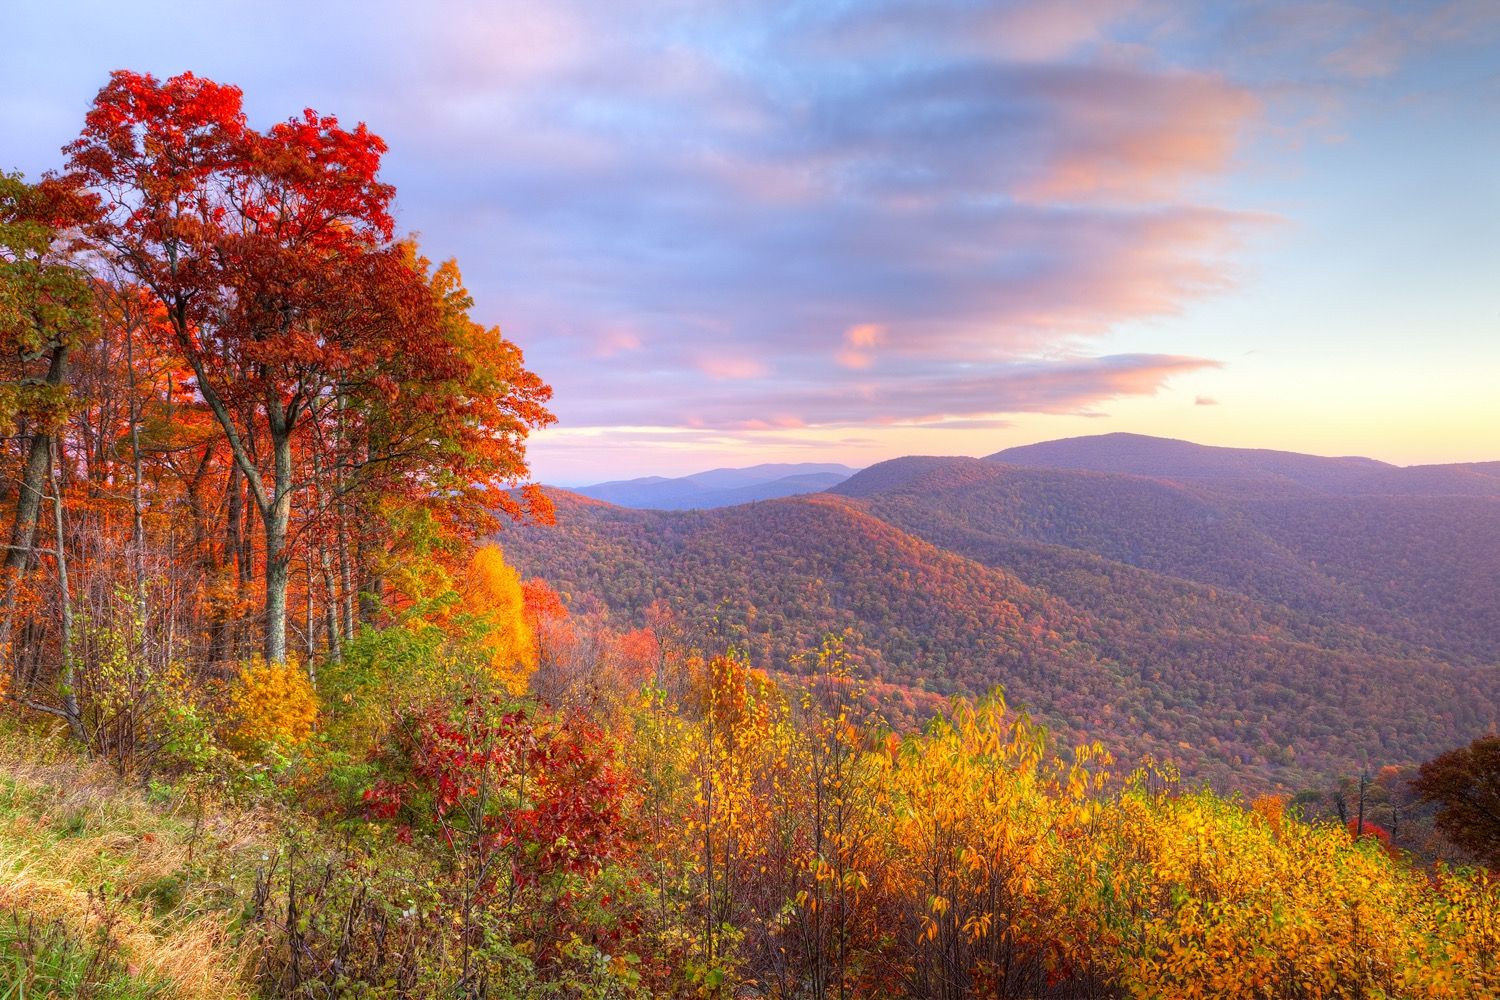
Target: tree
[(1464, 784), (491, 593), (46, 307), (442, 445), (330, 360)]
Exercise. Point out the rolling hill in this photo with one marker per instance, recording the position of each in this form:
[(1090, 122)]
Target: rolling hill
[(1421, 569), (1260, 618)]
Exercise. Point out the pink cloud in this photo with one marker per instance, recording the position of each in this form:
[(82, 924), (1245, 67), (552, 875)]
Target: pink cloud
[(859, 341), (783, 423), (922, 393), (608, 345), (1134, 136), (728, 368)]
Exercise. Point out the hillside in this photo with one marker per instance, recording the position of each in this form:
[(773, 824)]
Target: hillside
[(720, 487), (108, 892), (1242, 690), (1422, 570)]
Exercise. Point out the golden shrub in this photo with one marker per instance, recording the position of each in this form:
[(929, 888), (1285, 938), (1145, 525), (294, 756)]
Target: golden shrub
[(272, 703)]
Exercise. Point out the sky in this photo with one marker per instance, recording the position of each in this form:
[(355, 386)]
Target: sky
[(731, 233)]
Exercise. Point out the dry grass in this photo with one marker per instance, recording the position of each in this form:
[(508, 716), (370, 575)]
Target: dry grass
[(79, 846)]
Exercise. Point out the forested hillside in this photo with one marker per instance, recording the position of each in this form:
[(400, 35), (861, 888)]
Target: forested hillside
[(1424, 569), (1253, 635)]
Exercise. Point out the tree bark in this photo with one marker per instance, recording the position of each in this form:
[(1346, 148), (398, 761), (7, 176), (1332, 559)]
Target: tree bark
[(28, 505), (331, 608), (346, 584), (278, 560), (68, 675), (137, 521), (309, 624)]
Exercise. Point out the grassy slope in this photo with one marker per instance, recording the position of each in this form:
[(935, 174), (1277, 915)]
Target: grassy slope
[(105, 861)]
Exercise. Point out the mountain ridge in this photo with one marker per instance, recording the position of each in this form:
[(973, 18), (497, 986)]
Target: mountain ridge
[(722, 487), (1172, 458)]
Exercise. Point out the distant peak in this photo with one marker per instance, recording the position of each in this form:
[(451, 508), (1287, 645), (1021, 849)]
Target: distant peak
[(1125, 442), (721, 487)]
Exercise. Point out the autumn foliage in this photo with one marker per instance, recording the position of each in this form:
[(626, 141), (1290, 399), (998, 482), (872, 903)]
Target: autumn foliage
[(1465, 785), (506, 632), (272, 703), (238, 408), (339, 371)]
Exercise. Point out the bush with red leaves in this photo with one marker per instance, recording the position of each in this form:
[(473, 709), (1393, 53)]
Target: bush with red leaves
[(488, 780)]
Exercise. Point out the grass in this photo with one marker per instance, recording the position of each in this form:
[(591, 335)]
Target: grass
[(44, 959), (106, 891)]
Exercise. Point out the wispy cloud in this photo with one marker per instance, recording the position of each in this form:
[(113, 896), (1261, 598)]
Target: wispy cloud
[(917, 392)]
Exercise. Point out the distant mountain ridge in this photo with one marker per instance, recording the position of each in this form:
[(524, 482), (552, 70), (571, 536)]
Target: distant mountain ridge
[(720, 487), (1168, 458)]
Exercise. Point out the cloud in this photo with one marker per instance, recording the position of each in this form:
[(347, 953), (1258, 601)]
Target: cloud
[(747, 208), (917, 393), (614, 342), (859, 342), (966, 425), (1205, 401), (731, 368), (710, 215), (1350, 42)]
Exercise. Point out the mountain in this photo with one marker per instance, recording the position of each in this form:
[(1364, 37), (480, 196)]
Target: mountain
[(1261, 618), (720, 487), (1270, 471)]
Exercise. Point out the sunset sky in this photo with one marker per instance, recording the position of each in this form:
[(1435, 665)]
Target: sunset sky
[(839, 231)]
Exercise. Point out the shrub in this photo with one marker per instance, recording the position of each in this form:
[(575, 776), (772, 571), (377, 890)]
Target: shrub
[(273, 704)]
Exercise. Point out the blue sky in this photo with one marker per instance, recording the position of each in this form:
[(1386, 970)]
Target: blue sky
[(730, 233)]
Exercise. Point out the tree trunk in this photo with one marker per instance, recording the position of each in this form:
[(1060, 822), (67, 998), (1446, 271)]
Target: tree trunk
[(278, 558), (277, 574), (331, 608), (137, 521), (67, 676), (28, 505), (346, 584), (309, 626)]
